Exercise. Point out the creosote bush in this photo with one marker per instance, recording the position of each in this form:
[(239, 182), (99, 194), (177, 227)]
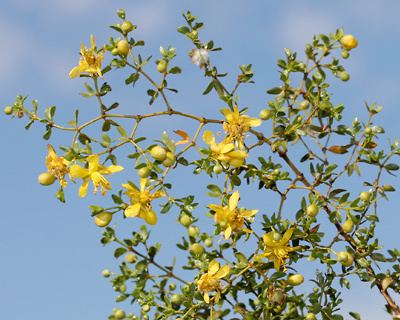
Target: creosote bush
[(246, 268)]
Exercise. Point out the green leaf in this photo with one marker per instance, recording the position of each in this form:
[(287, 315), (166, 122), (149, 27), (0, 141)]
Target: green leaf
[(392, 167), (119, 252)]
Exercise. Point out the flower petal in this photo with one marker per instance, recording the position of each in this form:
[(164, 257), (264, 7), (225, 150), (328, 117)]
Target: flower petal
[(208, 137), (132, 211), (77, 171), (223, 272), (113, 168), (213, 267), (286, 237), (74, 72), (83, 188), (233, 200), (228, 232)]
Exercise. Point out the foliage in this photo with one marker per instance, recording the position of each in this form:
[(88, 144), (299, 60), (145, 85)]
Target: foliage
[(245, 268)]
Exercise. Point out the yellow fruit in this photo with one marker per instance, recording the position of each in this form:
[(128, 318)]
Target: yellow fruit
[(348, 226), (162, 66), (304, 105), (130, 258), (46, 179), (144, 172), (127, 27), (158, 153), (169, 160), (365, 196), (103, 219), (311, 316), (344, 76), (151, 218), (295, 279), (345, 54), (312, 210), (185, 220), (349, 42), (119, 314), (265, 114), (176, 299), (345, 258), (123, 47), (217, 169), (8, 110), (196, 249)]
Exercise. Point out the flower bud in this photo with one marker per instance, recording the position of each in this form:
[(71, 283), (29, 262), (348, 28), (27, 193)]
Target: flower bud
[(344, 76), (130, 258), (193, 231), (311, 316), (106, 273), (345, 54)]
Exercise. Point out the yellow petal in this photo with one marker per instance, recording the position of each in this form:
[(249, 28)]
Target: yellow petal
[(93, 161), (206, 298), (288, 234), (208, 137), (233, 200), (268, 239), (226, 147), (114, 168), (223, 272), (92, 42), (143, 183), (77, 171), (213, 267), (228, 232), (132, 211), (254, 122), (277, 264), (74, 72), (217, 297), (248, 213), (83, 188)]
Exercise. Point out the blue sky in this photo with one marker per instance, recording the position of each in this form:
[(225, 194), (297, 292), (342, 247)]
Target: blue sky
[(50, 254)]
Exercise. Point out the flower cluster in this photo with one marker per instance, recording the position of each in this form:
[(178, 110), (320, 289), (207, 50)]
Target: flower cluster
[(210, 281), (230, 218)]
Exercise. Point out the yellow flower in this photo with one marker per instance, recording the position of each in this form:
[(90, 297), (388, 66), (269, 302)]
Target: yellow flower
[(90, 61), (277, 247), (229, 217), (57, 166), (141, 201), (210, 281), (236, 125), (224, 151), (94, 172)]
